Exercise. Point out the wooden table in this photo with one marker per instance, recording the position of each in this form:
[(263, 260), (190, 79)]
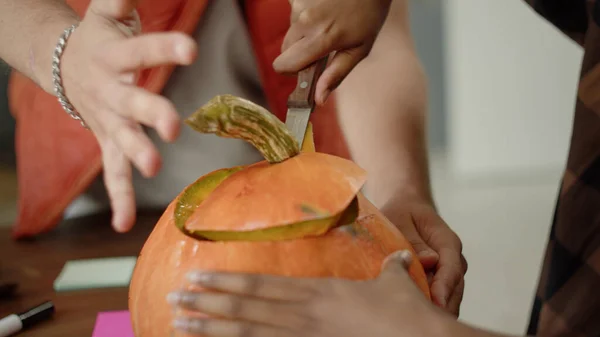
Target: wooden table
[(36, 263)]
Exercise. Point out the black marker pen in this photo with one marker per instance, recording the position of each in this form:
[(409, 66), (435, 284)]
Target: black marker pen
[(14, 323)]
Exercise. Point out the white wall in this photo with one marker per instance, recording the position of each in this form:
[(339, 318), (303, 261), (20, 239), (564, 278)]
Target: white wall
[(426, 28), (510, 88)]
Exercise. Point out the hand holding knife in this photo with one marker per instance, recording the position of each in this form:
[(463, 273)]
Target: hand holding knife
[(301, 102)]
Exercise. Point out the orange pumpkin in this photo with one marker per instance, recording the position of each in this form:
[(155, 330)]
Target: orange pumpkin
[(298, 213)]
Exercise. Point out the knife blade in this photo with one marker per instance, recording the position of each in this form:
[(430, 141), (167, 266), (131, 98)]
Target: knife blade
[(301, 102)]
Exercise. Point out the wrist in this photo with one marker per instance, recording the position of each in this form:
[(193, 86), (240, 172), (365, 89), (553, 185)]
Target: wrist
[(445, 326), (42, 49), (405, 194), (398, 186), (438, 322), (413, 193), (406, 200)]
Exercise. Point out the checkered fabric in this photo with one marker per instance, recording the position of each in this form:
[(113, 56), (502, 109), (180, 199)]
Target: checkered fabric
[(567, 301)]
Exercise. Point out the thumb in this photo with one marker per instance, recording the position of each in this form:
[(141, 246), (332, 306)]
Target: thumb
[(395, 266), (113, 9)]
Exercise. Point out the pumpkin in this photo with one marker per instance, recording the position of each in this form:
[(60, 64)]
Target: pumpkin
[(297, 213)]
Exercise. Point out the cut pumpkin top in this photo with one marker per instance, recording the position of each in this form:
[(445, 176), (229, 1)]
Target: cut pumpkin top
[(308, 186), (289, 187)]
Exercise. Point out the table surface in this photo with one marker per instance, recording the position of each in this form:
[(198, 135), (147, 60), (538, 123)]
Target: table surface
[(35, 264)]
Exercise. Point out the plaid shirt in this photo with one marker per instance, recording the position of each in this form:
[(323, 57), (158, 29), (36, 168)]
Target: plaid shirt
[(567, 301)]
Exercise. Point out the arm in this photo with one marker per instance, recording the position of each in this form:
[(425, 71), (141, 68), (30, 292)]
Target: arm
[(29, 31), (382, 104), (465, 330), (276, 309), (382, 108), (99, 68)]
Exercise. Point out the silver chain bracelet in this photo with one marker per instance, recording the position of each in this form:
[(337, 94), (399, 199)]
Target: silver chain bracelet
[(57, 79)]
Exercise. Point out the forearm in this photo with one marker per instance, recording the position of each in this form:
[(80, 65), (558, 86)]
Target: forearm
[(455, 328), (382, 107), (443, 325), (29, 31)]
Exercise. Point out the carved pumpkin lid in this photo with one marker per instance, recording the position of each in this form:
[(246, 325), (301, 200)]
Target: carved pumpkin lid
[(308, 190), (308, 186)]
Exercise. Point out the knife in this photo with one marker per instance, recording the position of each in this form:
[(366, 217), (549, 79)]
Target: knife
[(301, 102)]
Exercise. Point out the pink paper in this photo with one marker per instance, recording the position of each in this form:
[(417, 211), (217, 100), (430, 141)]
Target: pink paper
[(113, 324)]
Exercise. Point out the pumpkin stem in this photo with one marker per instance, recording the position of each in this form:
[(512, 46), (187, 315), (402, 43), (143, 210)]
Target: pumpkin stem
[(234, 117)]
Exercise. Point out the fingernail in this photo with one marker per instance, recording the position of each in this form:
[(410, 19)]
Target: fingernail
[(198, 277), (182, 298), (173, 298), (276, 63), (406, 257), (401, 255), (181, 50), (117, 222), (184, 51), (185, 324), (441, 297), (188, 324), (443, 301), (427, 253), (180, 324), (143, 160)]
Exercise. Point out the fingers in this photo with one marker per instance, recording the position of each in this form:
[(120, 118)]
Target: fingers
[(395, 266), (448, 277), (452, 265), (456, 299), (429, 259), (150, 109), (427, 256), (114, 9), (117, 178), (296, 9), (148, 50), (123, 141), (464, 264), (302, 53), (293, 35), (308, 39), (342, 63), (223, 328), (257, 285), (134, 144), (237, 307)]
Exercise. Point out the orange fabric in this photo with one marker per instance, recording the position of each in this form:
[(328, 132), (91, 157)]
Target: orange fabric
[(57, 159)]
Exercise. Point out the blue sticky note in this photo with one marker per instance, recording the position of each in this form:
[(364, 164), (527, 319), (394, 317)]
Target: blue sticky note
[(95, 273)]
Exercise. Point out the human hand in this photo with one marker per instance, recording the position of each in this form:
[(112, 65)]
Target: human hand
[(319, 27), (438, 248), (242, 305), (99, 68)]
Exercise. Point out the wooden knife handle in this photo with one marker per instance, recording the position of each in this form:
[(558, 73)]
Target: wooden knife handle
[(303, 97)]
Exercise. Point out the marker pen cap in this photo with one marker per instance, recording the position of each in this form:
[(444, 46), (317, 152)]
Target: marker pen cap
[(10, 325)]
